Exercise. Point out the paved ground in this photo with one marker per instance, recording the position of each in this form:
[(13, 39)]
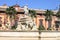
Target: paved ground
[(18, 38)]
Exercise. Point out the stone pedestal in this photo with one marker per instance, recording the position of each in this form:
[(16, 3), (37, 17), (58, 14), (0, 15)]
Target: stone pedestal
[(26, 22)]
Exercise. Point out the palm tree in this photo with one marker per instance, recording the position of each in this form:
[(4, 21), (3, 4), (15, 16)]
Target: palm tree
[(11, 12), (48, 18), (58, 16), (32, 13)]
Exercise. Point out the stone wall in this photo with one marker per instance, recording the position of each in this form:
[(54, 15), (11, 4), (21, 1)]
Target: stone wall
[(22, 35), (50, 35), (29, 35)]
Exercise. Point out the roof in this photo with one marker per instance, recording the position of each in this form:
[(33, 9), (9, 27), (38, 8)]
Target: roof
[(3, 8), (39, 11)]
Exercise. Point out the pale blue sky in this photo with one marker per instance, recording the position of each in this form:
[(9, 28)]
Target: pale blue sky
[(37, 4)]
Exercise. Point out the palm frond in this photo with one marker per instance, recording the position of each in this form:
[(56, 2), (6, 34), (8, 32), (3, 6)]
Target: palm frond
[(10, 11), (33, 13), (48, 15)]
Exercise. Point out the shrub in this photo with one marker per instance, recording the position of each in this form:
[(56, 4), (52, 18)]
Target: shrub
[(14, 27), (49, 28), (41, 28)]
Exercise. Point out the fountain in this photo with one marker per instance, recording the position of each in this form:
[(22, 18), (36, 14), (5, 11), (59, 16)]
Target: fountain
[(26, 22)]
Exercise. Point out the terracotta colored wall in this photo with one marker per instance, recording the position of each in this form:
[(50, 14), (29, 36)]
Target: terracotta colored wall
[(38, 18), (45, 23), (3, 16)]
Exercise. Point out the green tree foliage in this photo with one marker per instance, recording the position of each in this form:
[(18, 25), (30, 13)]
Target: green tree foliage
[(32, 13), (58, 13), (41, 28), (11, 12), (48, 15)]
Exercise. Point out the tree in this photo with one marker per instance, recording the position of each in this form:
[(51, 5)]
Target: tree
[(48, 18), (11, 12), (32, 13), (58, 16)]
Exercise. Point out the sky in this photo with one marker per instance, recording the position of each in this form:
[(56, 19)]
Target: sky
[(34, 4)]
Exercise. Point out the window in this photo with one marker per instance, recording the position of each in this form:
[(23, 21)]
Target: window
[(41, 22), (0, 22), (57, 23), (5, 21), (0, 17), (0, 25), (49, 24)]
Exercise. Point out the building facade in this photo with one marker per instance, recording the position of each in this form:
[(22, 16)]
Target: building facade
[(39, 20)]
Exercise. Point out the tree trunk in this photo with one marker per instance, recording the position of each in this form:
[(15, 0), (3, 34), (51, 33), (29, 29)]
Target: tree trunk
[(9, 22)]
